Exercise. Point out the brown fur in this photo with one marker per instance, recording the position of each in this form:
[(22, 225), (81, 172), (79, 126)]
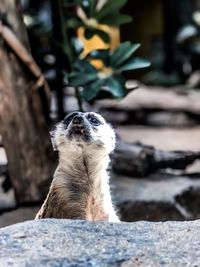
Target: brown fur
[(80, 188), (83, 206)]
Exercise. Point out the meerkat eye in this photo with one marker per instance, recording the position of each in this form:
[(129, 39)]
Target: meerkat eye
[(93, 120)]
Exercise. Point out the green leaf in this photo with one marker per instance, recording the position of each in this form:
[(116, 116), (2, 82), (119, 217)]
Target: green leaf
[(110, 7), (135, 63), (84, 66), (116, 85), (78, 2), (92, 90), (117, 61), (115, 19), (119, 52), (92, 7), (81, 79)]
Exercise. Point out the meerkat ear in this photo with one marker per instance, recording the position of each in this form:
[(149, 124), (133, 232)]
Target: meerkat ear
[(53, 141)]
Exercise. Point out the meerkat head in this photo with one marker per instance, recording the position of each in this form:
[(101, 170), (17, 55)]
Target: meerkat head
[(87, 129)]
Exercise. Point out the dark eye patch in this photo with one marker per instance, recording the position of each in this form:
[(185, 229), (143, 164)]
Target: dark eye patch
[(68, 119), (93, 120)]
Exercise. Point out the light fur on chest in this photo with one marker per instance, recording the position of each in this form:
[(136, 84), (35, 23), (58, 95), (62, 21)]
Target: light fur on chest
[(80, 188)]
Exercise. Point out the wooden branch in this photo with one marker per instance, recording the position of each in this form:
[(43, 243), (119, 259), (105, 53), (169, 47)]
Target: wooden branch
[(18, 48), (137, 159)]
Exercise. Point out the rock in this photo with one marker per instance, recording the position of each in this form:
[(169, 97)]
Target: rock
[(156, 98), (116, 118), (162, 138), (68, 243), (159, 197), (154, 106), (3, 169), (190, 199), (149, 211), (151, 117), (7, 199), (18, 215), (194, 80), (169, 119)]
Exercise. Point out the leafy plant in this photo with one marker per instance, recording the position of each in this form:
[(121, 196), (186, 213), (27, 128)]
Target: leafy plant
[(88, 80), (109, 77), (91, 15)]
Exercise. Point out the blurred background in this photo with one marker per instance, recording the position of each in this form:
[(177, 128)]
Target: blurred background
[(135, 62)]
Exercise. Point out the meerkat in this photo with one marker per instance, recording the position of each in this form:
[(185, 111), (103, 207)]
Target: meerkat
[(80, 186)]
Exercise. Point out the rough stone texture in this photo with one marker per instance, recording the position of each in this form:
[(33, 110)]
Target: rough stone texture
[(159, 197), (78, 243), (154, 106), (18, 215), (162, 138), (157, 98), (7, 199)]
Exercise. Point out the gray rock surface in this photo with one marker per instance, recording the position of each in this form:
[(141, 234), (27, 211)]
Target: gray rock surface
[(7, 199), (157, 98), (18, 215), (162, 138), (78, 243), (158, 197)]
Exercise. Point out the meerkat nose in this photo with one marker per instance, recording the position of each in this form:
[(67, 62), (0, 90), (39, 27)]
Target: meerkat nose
[(78, 119)]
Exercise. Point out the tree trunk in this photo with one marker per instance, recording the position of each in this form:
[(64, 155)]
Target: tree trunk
[(23, 125)]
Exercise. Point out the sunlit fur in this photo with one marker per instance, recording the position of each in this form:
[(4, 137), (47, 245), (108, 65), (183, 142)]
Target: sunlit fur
[(80, 188)]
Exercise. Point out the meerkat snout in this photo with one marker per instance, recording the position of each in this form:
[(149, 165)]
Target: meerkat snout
[(78, 120)]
